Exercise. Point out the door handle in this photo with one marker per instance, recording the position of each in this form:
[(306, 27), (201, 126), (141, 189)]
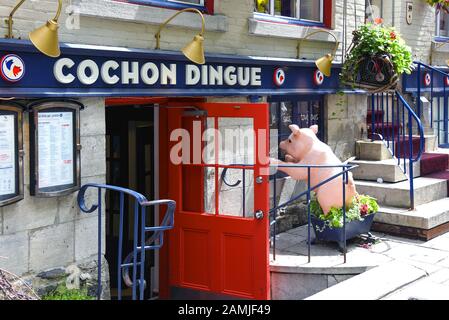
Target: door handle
[(259, 214)]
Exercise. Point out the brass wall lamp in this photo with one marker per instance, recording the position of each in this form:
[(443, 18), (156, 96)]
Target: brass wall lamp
[(44, 38), (194, 51), (324, 64)]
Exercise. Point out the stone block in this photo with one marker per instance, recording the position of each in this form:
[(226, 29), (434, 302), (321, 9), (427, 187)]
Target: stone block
[(93, 156), (14, 252), (334, 279), (51, 247), (30, 213), (93, 117), (375, 150), (291, 286), (86, 237)]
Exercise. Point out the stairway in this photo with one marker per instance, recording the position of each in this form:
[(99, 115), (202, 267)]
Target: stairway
[(385, 180), (384, 177)]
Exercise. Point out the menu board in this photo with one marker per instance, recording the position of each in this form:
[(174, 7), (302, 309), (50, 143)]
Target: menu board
[(55, 149), (7, 155)]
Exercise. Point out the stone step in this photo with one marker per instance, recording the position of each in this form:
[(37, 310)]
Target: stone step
[(398, 194), (387, 170), (373, 284), (426, 216), (372, 150)]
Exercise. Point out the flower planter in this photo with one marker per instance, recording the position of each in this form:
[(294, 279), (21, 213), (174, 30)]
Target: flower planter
[(324, 232)]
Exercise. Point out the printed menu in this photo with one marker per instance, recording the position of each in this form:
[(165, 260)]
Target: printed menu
[(55, 149), (7, 155)]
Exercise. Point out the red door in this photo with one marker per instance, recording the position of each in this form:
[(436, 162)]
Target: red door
[(219, 247)]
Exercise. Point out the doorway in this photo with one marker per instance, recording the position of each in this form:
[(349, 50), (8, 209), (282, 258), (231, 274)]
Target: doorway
[(129, 164)]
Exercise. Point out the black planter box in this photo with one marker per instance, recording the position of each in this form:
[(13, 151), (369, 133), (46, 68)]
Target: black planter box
[(323, 232)]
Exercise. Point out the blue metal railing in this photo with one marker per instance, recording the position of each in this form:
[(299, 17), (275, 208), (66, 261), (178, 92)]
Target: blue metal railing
[(155, 241), (437, 90), (307, 193), (344, 173), (398, 135)]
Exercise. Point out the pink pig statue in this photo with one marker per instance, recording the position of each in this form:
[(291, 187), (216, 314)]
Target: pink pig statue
[(304, 147)]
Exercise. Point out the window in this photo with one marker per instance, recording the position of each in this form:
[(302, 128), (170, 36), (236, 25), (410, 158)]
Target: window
[(304, 111), (442, 24), (379, 9), (203, 5), (305, 10)]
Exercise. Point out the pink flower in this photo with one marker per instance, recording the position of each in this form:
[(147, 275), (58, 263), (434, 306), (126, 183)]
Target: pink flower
[(393, 35), (364, 209)]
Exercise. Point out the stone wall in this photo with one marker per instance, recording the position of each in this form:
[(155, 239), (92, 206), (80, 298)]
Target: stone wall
[(37, 234)]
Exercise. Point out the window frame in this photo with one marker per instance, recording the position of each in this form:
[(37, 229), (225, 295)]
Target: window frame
[(437, 36), (207, 6), (325, 15), (295, 117)]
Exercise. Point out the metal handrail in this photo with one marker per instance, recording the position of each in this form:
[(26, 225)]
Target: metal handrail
[(345, 169), (398, 119), (435, 93), (154, 242)]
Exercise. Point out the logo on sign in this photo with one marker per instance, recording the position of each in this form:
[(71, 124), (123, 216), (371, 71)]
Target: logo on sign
[(279, 77), (427, 79), (318, 78), (12, 68)]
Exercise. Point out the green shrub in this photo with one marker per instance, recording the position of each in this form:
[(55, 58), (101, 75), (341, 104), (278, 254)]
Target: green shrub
[(62, 293), (362, 205)]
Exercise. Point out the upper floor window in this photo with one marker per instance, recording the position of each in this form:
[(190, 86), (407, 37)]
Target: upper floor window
[(306, 10), (379, 11), (203, 5), (442, 24)]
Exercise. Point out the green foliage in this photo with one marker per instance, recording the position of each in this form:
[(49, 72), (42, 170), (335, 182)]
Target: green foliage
[(361, 206), (62, 293), (439, 5), (371, 40)]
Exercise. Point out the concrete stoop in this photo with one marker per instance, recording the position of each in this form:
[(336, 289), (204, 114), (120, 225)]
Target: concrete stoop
[(388, 170), (398, 194), (374, 284), (426, 222)]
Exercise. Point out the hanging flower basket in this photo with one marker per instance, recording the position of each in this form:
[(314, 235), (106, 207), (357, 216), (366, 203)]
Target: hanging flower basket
[(376, 58), (359, 218), (439, 5)]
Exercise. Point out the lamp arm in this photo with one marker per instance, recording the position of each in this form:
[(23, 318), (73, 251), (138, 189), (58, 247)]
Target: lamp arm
[(158, 33), (337, 43), (18, 5), (58, 13), (11, 16)]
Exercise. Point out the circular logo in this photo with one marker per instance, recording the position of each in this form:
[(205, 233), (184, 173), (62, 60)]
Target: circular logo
[(427, 79), (279, 77), (12, 68), (318, 78)]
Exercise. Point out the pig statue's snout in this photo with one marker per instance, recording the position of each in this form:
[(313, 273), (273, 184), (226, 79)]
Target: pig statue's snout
[(282, 145)]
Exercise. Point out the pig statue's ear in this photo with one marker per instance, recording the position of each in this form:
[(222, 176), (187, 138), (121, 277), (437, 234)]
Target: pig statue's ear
[(314, 128), (295, 129)]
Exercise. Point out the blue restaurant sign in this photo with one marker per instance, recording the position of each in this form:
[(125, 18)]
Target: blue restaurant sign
[(86, 70)]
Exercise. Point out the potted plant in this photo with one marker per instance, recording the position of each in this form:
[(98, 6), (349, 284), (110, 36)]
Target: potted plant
[(376, 59), (439, 5), (359, 218)]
